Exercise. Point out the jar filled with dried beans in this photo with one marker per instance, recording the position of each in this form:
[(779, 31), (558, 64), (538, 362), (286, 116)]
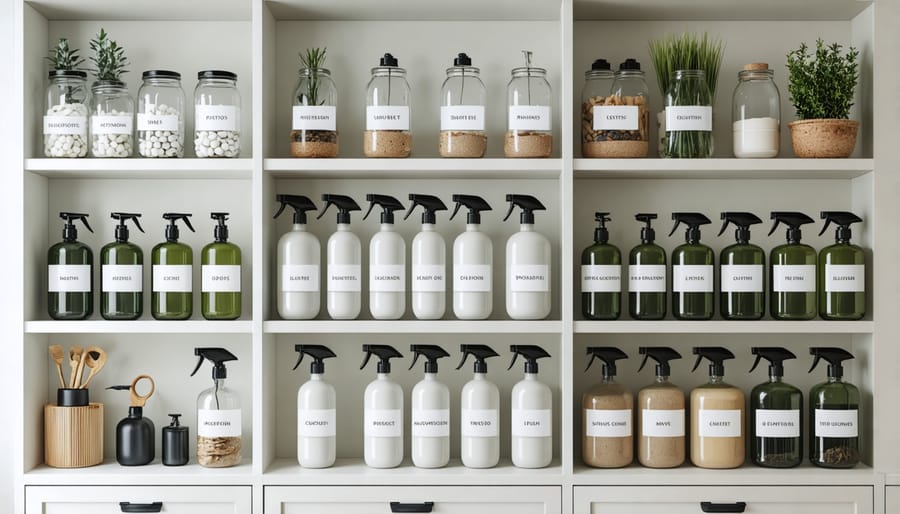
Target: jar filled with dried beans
[(617, 124)]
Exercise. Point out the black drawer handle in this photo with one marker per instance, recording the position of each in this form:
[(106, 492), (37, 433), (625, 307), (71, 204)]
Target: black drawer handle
[(723, 507), (407, 508), (140, 507)]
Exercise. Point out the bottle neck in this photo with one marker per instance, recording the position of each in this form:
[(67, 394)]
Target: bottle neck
[(472, 227), (526, 227), (298, 227), (386, 227), (343, 227), (430, 377), (834, 380), (713, 379), (316, 377), (384, 376), (531, 376), (479, 376), (660, 379), (775, 379), (428, 227)]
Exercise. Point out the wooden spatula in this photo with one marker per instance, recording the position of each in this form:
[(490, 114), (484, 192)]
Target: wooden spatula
[(74, 359), (95, 363), (57, 353)]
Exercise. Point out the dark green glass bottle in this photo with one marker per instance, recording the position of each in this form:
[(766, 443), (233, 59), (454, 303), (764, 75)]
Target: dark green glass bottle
[(842, 271), (601, 275), (833, 414), (220, 293), (742, 267), (793, 272), (693, 271), (172, 295), (776, 408), (647, 280), (70, 273), (122, 273)]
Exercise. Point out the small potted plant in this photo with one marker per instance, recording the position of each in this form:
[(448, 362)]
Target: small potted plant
[(821, 88)]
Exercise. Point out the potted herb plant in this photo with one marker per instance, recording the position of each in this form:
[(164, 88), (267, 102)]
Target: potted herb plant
[(112, 108), (821, 88), (314, 121)]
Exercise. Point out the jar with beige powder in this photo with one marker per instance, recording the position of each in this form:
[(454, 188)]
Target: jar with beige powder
[(717, 416), (660, 414), (608, 410)]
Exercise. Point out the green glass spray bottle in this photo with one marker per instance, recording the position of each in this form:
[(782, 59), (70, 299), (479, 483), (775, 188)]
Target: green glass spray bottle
[(647, 280), (220, 271), (693, 270), (122, 273), (793, 273), (842, 271), (70, 273), (776, 408), (601, 275), (171, 280), (742, 271), (833, 414)]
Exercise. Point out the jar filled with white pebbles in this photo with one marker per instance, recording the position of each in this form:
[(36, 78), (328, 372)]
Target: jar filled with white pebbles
[(112, 120), (217, 115), (160, 117), (66, 114)]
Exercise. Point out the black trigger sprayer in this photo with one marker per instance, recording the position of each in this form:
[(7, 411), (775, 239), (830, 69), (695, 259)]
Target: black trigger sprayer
[(431, 352), (662, 355), (299, 203), (317, 352), (172, 233), (480, 352), (475, 204), (122, 227), (430, 204), (608, 355), (528, 204), (388, 205), (531, 353), (70, 232), (343, 204)]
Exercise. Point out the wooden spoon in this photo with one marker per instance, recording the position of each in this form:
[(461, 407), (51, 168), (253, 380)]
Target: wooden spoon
[(57, 353), (74, 359), (79, 372), (95, 363)]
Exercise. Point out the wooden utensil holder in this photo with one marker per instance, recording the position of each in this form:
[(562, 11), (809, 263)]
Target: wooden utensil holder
[(73, 436)]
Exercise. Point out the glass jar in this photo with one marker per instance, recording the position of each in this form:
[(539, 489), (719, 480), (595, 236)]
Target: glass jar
[(387, 111), (688, 116), (756, 113), (217, 115), (66, 114), (314, 119), (463, 100), (112, 119), (528, 117), (597, 86), (628, 113), (160, 116)]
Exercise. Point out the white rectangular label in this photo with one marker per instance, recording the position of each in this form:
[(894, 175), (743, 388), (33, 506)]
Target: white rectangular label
[(428, 278), (688, 118), (529, 117), (608, 423), (845, 278), (692, 278), (172, 278), (300, 278), (122, 278), (837, 423), (316, 423), (314, 117), (216, 117), (529, 278), (167, 122), (791, 278), (742, 278), (647, 278), (219, 423), (480, 423), (392, 117), (344, 277), (387, 278), (383, 423), (601, 278), (720, 423), (220, 278), (462, 117), (69, 278), (122, 125), (66, 125), (431, 423), (777, 423), (472, 277), (662, 423), (616, 117), (532, 422)]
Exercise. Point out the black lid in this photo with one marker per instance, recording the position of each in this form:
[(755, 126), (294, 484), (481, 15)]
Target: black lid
[(834, 356), (600, 64), (174, 423), (172, 229), (662, 355), (429, 203), (384, 352), (318, 354), (67, 73), (794, 220), (528, 204), (388, 60), (475, 204), (609, 355), (388, 205), (221, 231), (531, 353), (648, 235), (630, 64), (162, 74), (300, 203), (216, 74), (716, 355), (480, 352), (344, 205), (218, 357), (843, 220), (432, 352), (743, 221), (122, 228), (601, 233), (462, 60), (776, 357), (693, 220), (70, 233)]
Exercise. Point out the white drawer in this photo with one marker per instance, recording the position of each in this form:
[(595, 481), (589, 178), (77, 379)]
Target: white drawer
[(892, 499), (444, 500), (106, 500), (757, 500)]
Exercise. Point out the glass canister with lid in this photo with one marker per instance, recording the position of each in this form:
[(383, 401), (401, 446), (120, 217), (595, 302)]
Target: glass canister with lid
[(463, 99), (689, 116), (112, 120), (160, 116), (387, 111), (756, 113), (626, 114), (314, 117), (217, 115), (529, 122), (66, 114), (597, 86)]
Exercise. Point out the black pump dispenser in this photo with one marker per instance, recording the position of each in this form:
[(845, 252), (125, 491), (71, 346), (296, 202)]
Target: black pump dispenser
[(122, 228), (648, 235), (716, 355), (693, 220), (834, 356), (609, 355), (662, 355), (221, 231), (175, 443), (388, 205), (218, 357), (475, 204), (388, 60), (344, 204), (480, 352), (317, 352), (794, 220), (431, 352), (600, 64), (528, 204), (531, 353), (741, 220), (429, 203), (843, 220), (462, 60), (300, 203), (384, 352), (776, 357), (70, 233), (172, 229), (601, 233)]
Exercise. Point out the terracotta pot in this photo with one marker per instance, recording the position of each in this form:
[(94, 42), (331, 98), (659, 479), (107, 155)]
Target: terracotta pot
[(823, 138)]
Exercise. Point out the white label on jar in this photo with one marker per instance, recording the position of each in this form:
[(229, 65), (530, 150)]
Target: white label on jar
[(837, 423), (616, 117), (647, 278), (742, 278), (314, 117), (532, 422), (529, 278), (608, 423), (220, 278), (529, 117), (69, 278), (472, 277), (316, 423), (122, 278), (601, 278), (66, 125), (692, 278), (720, 423), (428, 278), (300, 278), (845, 278), (480, 423), (462, 117), (344, 278), (387, 278), (172, 278), (167, 122), (216, 117), (431, 423), (383, 423), (777, 423), (219, 423), (122, 125), (391, 117), (688, 118), (794, 278), (662, 423)]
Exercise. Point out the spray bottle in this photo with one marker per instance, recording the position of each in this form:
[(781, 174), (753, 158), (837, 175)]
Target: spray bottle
[(532, 412), (70, 273), (171, 280), (473, 263), (647, 278), (429, 261), (661, 413), (387, 262), (601, 275), (218, 414), (220, 272), (742, 292), (122, 273), (528, 262), (344, 258), (833, 414), (717, 415), (383, 416), (430, 411), (316, 411), (608, 408), (299, 263), (693, 275), (842, 271), (775, 414), (793, 291), (479, 412)]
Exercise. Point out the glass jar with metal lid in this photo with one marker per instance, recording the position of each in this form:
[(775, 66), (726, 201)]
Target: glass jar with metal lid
[(66, 114), (160, 116), (756, 113), (217, 115), (314, 118), (597, 86), (529, 123), (387, 111), (463, 99), (112, 120)]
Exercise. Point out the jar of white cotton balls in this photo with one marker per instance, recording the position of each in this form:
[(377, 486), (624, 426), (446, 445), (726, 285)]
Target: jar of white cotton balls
[(217, 115), (160, 118), (66, 114), (112, 120)]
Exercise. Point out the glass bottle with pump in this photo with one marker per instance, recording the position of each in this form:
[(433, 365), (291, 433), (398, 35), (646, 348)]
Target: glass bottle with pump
[(793, 291), (756, 113), (430, 411), (647, 277), (218, 414), (383, 416), (693, 265), (660, 414), (742, 292), (463, 99), (608, 410), (122, 273), (299, 263), (429, 260), (596, 90), (842, 271), (387, 111), (473, 263), (717, 415), (171, 280), (387, 262), (479, 434), (344, 257), (220, 271), (601, 275), (316, 411), (532, 412), (70, 271), (314, 115), (528, 102), (776, 408), (528, 260), (833, 414)]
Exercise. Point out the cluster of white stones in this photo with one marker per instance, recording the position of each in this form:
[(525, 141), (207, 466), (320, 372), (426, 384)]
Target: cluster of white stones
[(66, 145), (161, 143), (113, 145), (222, 143)]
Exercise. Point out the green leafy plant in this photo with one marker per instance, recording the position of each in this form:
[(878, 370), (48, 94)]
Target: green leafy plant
[(312, 60), (109, 58), (822, 85), (64, 57)]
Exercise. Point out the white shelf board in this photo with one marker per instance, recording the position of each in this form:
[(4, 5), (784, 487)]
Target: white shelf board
[(412, 327), (415, 168), (111, 473), (139, 168), (723, 168), (144, 10), (724, 327), (415, 10), (747, 475), (138, 327), (766, 10), (892, 479)]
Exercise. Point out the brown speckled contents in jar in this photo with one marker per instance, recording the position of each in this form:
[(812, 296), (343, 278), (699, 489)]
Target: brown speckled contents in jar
[(607, 452), (387, 143), (314, 143), (459, 143), (660, 452), (717, 452), (522, 143)]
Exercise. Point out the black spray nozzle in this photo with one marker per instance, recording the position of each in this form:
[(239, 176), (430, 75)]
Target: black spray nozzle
[(793, 220), (317, 352), (388, 205), (693, 220), (601, 233), (480, 352), (344, 204), (776, 357), (70, 233), (300, 203), (172, 229), (609, 355), (388, 60), (218, 357), (432, 352), (462, 59), (221, 231), (122, 228), (741, 220), (648, 235), (384, 352), (528, 204), (475, 204), (429, 203), (662, 355), (834, 356), (175, 422), (716, 355), (531, 353), (843, 220)]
